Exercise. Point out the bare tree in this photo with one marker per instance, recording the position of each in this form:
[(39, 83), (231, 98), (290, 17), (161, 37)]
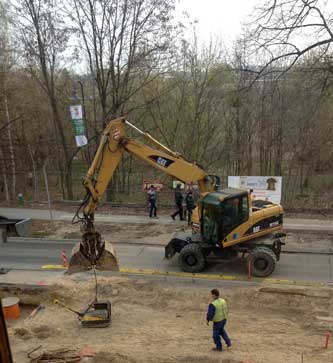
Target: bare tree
[(285, 31), (187, 113), (44, 36), (125, 43), (6, 63)]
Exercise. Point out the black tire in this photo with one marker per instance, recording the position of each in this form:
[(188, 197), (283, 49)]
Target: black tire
[(191, 258), (262, 260)]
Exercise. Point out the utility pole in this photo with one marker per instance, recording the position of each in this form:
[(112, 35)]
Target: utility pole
[(78, 115), (47, 192)]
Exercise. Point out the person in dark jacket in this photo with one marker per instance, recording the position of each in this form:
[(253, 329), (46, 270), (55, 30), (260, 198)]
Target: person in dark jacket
[(152, 201), (190, 205), (179, 203), (218, 314)]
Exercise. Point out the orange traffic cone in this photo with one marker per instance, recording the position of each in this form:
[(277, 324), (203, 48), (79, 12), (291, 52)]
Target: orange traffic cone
[(64, 258)]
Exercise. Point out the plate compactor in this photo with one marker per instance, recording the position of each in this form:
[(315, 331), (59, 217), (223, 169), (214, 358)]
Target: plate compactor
[(97, 315)]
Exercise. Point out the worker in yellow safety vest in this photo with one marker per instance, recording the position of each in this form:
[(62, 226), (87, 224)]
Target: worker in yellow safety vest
[(218, 314)]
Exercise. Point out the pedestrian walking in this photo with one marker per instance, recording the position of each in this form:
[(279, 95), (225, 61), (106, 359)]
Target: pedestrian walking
[(152, 202), (190, 205), (218, 314), (179, 203)]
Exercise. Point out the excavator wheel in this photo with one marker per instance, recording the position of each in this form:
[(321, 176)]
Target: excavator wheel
[(262, 261), (108, 260), (191, 258)]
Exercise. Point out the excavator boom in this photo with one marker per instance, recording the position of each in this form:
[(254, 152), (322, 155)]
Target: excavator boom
[(92, 251)]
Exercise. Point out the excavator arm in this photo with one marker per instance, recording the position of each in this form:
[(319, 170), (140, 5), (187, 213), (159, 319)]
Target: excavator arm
[(93, 251)]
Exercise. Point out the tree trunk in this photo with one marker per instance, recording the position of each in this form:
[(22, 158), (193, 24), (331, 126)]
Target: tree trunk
[(238, 142), (34, 173), (4, 175), (67, 162), (10, 149)]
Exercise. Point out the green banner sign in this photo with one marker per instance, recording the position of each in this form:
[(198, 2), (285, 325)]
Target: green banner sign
[(78, 123)]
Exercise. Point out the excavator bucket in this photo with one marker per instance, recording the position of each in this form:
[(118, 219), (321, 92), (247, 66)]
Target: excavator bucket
[(107, 260)]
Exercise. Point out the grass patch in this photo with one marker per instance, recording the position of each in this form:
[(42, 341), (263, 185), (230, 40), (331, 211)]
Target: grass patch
[(41, 234)]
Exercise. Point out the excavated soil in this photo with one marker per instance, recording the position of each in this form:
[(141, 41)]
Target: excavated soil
[(152, 233), (165, 323)]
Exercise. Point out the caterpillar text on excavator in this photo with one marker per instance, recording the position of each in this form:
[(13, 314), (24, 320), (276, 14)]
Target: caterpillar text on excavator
[(225, 223)]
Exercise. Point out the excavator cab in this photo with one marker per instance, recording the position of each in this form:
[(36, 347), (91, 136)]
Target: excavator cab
[(220, 213), (221, 216)]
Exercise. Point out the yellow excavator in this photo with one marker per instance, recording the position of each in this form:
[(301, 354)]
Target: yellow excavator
[(224, 223)]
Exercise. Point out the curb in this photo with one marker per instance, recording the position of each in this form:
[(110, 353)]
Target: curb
[(202, 276), (222, 277), (158, 245)]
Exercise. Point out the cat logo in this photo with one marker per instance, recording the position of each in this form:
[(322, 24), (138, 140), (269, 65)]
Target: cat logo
[(161, 161)]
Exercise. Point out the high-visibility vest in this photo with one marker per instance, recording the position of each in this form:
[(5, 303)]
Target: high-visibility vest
[(221, 310)]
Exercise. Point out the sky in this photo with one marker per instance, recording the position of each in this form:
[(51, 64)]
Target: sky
[(218, 18)]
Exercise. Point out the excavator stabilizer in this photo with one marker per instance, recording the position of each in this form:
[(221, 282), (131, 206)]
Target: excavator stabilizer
[(107, 261)]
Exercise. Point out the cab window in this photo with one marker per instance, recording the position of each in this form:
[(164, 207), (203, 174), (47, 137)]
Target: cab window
[(235, 211), (211, 222)]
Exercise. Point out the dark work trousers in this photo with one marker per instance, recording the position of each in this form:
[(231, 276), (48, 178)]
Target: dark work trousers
[(179, 211), (189, 216), (218, 330), (152, 209)]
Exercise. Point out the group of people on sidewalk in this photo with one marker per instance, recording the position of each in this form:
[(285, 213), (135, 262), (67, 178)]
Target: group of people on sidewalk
[(189, 200)]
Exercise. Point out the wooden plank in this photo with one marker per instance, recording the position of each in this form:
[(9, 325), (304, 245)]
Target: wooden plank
[(5, 353)]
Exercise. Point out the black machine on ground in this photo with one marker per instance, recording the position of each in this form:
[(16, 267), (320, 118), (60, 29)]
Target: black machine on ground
[(10, 227), (97, 315)]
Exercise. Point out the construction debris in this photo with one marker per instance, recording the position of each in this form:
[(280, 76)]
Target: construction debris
[(36, 310), (54, 356)]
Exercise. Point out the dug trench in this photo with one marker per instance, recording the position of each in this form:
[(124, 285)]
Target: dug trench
[(165, 322)]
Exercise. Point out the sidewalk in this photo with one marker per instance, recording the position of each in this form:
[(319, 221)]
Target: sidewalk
[(295, 224)]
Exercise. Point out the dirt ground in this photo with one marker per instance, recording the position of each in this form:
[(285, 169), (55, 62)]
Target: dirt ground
[(152, 233), (165, 323)]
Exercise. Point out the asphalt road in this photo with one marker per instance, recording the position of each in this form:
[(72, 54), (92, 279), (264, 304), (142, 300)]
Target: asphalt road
[(313, 225), (32, 254)]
